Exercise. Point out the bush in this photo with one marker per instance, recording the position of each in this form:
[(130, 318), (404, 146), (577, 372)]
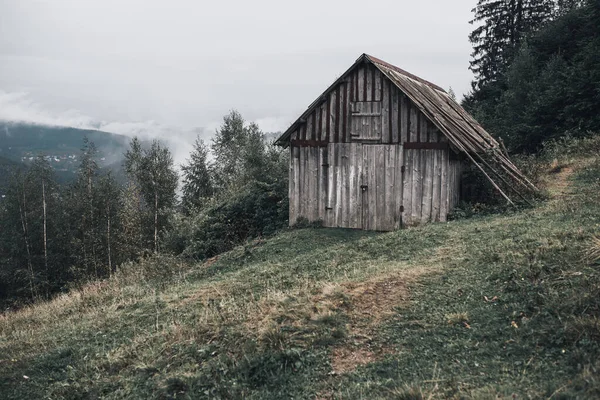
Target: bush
[(258, 209)]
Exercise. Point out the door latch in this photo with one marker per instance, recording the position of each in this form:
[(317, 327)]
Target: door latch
[(364, 187)]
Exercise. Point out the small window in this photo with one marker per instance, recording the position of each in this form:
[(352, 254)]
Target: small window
[(366, 120)]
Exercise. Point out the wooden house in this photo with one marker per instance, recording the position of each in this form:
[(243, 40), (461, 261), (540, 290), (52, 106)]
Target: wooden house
[(382, 148)]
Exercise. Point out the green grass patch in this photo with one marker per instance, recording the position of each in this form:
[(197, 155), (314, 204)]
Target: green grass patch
[(496, 305)]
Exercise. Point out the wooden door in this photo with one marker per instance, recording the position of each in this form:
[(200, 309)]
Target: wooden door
[(366, 121), (344, 205), (381, 187)]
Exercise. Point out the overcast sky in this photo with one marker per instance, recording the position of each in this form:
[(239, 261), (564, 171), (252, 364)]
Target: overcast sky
[(173, 66)]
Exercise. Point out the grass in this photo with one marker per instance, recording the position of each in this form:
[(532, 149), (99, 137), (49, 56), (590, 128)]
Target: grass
[(492, 306)]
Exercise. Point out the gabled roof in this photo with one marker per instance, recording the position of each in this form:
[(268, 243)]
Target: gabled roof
[(446, 114), (461, 129)]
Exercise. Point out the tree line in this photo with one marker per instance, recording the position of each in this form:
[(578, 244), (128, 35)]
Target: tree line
[(55, 235), (537, 70)]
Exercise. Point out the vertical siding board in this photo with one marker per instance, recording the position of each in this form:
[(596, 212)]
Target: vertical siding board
[(427, 186), (310, 188), (373, 174), (416, 186), (385, 112), (378, 96), (437, 176), (346, 108), (338, 180), (346, 188), (444, 186), (292, 189), (368, 83), (398, 194), (322, 203), (323, 121), (394, 117), (330, 185), (424, 128), (404, 118), (328, 117), (352, 187), (309, 126), (407, 186), (358, 158), (413, 123), (388, 188), (360, 83), (331, 119)]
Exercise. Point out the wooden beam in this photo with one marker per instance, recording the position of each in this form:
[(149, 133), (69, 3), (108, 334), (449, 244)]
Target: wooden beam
[(426, 145), (309, 143)]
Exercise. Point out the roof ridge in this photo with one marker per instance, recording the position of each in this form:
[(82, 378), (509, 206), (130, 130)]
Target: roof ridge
[(403, 72)]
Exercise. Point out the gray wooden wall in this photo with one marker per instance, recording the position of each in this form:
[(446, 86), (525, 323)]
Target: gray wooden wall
[(347, 158), (363, 186)]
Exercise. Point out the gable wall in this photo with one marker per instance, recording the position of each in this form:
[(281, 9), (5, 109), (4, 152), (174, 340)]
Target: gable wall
[(400, 120)]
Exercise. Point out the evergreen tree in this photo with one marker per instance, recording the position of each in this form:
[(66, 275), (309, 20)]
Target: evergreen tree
[(502, 26), (197, 181)]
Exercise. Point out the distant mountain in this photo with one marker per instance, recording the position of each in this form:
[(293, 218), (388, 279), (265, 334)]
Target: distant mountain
[(21, 143)]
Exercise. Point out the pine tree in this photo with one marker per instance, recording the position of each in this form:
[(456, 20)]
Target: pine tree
[(504, 24), (197, 181)]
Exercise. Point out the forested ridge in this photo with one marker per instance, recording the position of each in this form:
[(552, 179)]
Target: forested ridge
[(57, 235)]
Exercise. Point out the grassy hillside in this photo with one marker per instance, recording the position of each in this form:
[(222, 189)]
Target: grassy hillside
[(486, 307)]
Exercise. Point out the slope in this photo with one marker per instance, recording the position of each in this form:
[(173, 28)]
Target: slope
[(491, 306)]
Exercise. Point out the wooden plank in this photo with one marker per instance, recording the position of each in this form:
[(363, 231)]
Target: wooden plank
[(426, 145), (398, 185), (394, 117), (389, 188), (346, 108), (373, 174), (311, 163), (352, 217), (330, 112), (379, 91), (380, 221), (424, 131), (368, 83), (407, 186), (417, 189), (427, 186), (338, 184), (358, 157), (385, 112), (346, 186), (292, 189), (444, 186), (330, 185), (308, 143), (413, 124), (323, 121), (404, 118), (361, 84), (322, 179), (435, 197)]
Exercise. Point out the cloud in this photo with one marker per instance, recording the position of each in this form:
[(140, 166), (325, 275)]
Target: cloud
[(20, 108)]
